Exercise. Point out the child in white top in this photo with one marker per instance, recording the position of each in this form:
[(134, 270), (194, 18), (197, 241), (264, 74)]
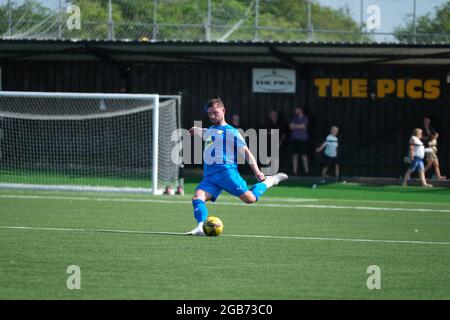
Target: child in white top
[(330, 145)]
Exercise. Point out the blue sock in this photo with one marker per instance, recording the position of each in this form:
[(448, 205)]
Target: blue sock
[(200, 210), (258, 190)]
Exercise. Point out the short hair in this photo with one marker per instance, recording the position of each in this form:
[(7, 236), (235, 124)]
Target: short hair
[(212, 103), (416, 131)]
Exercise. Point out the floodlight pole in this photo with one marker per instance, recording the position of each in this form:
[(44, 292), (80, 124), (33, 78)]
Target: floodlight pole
[(155, 23), (414, 21), (361, 13), (208, 22), (110, 22), (309, 27), (60, 20), (9, 18), (256, 19)]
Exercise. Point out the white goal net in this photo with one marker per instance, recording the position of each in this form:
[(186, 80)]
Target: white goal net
[(88, 141)]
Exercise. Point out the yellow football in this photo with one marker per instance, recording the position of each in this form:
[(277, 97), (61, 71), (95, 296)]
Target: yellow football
[(212, 226)]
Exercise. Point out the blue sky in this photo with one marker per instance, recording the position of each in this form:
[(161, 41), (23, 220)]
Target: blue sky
[(392, 11)]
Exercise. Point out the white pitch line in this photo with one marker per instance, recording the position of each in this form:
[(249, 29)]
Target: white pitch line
[(91, 230), (338, 239), (275, 205), (20, 196), (226, 235)]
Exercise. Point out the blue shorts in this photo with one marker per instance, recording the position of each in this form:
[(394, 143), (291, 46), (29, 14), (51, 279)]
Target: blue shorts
[(417, 164), (230, 181)]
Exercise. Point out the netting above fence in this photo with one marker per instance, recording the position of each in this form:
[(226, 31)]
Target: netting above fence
[(410, 21)]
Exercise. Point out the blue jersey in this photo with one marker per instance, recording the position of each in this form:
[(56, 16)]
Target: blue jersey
[(221, 146)]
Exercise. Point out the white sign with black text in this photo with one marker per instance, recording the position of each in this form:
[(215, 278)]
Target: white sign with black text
[(274, 80)]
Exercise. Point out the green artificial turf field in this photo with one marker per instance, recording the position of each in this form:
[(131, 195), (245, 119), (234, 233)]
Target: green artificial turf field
[(295, 243)]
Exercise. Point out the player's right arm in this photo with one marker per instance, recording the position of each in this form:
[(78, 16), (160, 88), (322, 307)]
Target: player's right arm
[(197, 131)]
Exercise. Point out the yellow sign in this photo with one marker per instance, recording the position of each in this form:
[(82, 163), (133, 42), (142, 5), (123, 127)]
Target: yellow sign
[(358, 88)]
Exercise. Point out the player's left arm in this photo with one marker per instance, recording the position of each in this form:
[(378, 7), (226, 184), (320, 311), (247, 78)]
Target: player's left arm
[(252, 163), (248, 156)]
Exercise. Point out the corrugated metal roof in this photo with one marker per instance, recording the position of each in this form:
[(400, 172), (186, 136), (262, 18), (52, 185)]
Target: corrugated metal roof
[(287, 53)]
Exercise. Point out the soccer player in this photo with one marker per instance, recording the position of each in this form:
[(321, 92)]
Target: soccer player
[(222, 143)]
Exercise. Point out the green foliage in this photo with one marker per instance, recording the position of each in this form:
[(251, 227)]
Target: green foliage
[(437, 23), (278, 20), (21, 13), (94, 19)]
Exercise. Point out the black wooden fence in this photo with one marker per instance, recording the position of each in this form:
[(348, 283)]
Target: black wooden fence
[(374, 131)]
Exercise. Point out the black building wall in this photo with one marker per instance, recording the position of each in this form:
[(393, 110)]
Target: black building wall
[(374, 132)]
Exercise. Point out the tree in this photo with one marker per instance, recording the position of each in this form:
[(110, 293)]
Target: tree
[(279, 20), (29, 14), (437, 24), (94, 19)]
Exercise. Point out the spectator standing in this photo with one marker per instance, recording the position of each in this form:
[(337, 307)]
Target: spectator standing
[(427, 131), (432, 158), (416, 154), (236, 122), (275, 122), (299, 140)]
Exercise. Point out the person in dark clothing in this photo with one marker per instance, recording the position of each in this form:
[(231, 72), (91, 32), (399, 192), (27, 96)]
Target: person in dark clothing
[(236, 122), (427, 131), (299, 140), (277, 122)]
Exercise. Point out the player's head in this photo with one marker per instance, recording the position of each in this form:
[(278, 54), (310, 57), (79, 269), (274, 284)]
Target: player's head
[(216, 111), (434, 135), (426, 121), (417, 132), (334, 130)]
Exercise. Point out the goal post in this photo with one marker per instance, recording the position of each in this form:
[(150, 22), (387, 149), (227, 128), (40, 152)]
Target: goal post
[(88, 141)]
